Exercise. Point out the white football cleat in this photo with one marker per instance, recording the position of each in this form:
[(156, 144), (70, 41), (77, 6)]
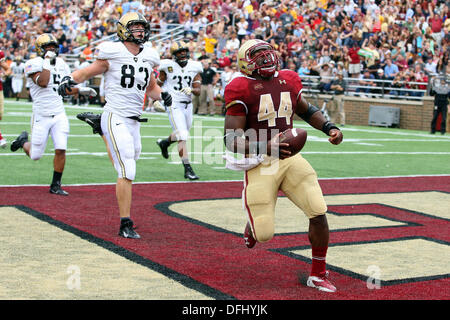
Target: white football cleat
[(3, 143), (321, 283)]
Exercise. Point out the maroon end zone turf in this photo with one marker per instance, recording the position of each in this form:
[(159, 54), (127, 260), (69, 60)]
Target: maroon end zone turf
[(217, 262)]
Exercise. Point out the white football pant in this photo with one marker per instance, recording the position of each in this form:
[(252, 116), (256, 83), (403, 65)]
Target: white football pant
[(42, 127), (17, 85), (124, 140), (180, 116)]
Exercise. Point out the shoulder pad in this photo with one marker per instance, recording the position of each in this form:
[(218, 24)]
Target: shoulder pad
[(152, 55), (107, 50), (33, 65)]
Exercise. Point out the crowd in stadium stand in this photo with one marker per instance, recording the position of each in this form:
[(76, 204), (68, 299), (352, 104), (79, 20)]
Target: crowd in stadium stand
[(398, 40)]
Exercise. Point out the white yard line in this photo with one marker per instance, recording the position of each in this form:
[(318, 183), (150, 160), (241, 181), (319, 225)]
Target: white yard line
[(227, 181), (217, 152)]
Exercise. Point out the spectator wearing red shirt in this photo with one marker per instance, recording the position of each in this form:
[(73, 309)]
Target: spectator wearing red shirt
[(225, 60), (436, 23), (294, 46), (354, 67), (419, 76)]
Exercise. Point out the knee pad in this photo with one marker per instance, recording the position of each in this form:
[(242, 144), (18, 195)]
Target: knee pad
[(263, 228), (182, 135), (35, 155), (38, 144), (137, 152)]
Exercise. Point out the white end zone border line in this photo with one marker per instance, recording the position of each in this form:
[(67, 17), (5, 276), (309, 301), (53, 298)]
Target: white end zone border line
[(224, 181)]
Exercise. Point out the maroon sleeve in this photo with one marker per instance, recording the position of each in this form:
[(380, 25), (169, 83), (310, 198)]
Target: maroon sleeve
[(235, 96)]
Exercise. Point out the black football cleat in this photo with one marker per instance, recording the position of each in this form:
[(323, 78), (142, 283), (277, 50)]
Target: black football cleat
[(127, 230), (93, 120), (189, 173), (164, 145), (56, 189), (19, 142)]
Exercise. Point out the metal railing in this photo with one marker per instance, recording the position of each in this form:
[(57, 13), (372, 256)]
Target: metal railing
[(174, 31), (382, 89)]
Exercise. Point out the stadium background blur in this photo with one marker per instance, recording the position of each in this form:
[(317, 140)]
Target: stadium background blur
[(317, 38)]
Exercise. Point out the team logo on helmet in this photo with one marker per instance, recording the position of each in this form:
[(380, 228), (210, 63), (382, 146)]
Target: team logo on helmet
[(180, 52), (124, 24), (43, 41), (257, 56)]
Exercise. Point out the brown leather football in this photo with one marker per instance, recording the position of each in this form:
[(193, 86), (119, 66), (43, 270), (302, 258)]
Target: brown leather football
[(296, 138)]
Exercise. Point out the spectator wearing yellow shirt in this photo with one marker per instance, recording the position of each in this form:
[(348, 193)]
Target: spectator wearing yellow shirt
[(210, 42)]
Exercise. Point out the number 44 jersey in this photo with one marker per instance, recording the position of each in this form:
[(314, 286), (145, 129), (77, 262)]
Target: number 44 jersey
[(269, 105), (127, 77), (178, 78)]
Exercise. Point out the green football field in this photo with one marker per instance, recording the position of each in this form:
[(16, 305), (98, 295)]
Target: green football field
[(365, 152)]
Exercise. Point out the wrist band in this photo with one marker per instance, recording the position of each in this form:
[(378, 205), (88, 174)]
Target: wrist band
[(327, 126)]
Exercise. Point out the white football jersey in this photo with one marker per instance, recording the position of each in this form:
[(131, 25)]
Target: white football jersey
[(46, 101), (127, 77), (17, 69), (179, 77)]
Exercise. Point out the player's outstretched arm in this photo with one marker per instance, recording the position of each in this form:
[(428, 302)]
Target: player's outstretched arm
[(69, 82), (312, 115)]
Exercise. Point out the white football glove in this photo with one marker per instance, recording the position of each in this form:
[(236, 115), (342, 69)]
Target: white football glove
[(86, 91), (49, 60), (158, 106), (50, 55), (186, 91)]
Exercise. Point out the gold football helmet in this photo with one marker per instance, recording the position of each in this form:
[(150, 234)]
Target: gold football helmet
[(180, 52), (258, 56), (127, 20), (44, 40)]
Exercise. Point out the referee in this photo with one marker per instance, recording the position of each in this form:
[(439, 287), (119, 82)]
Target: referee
[(207, 89), (441, 96)]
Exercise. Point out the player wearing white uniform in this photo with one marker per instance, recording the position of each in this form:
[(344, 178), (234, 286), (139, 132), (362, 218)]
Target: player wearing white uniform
[(17, 67), (49, 118), (127, 68), (181, 77)]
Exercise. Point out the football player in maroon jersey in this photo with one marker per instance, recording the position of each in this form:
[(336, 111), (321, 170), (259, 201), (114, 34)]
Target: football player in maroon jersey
[(260, 105)]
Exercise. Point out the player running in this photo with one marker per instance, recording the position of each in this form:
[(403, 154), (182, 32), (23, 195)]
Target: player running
[(43, 75), (261, 103), (181, 77), (127, 67)]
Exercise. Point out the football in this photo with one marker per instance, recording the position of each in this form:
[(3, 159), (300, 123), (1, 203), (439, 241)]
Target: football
[(296, 138)]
